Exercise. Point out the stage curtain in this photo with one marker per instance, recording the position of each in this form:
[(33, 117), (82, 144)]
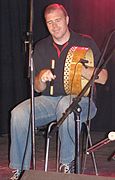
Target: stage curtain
[(96, 18)]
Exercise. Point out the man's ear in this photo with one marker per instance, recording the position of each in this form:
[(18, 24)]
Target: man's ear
[(67, 19)]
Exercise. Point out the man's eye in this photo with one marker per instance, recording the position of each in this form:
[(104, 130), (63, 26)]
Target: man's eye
[(55, 21), (58, 20), (49, 22)]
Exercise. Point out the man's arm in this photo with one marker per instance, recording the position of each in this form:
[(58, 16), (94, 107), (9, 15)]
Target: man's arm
[(88, 72)]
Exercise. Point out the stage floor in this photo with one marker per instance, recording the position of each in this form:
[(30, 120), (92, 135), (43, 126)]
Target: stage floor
[(105, 167)]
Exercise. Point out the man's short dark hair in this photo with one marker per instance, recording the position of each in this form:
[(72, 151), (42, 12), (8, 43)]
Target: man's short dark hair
[(53, 7)]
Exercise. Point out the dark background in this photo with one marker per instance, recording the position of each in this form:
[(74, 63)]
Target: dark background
[(93, 17)]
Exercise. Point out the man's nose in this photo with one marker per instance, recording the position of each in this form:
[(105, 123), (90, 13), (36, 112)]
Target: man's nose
[(54, 24)]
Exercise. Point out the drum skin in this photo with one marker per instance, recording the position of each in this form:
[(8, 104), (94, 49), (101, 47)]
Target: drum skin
[(73, 80)]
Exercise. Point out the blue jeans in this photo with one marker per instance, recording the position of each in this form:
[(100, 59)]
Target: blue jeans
[(47, 109)]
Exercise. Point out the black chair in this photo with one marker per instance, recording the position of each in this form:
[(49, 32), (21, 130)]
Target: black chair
[(85, 130)]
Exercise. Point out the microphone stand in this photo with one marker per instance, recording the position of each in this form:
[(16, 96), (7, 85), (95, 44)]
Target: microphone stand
[(76, 100), (110, 138), (31, 125), (31, 74)]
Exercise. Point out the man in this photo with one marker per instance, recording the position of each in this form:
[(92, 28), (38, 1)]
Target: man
[(49, 107)]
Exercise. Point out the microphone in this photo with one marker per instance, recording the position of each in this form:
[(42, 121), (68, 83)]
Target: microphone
[(84, 61), (52, 82)]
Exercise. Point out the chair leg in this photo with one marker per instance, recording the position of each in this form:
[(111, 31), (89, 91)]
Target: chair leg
[(89, 140), (57, 153), (47, 154), (47, 145)]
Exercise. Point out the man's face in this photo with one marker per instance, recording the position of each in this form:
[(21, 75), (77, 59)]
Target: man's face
[(57, 24)]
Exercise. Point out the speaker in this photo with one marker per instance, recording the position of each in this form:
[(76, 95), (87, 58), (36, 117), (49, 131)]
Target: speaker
[(39, 175)]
